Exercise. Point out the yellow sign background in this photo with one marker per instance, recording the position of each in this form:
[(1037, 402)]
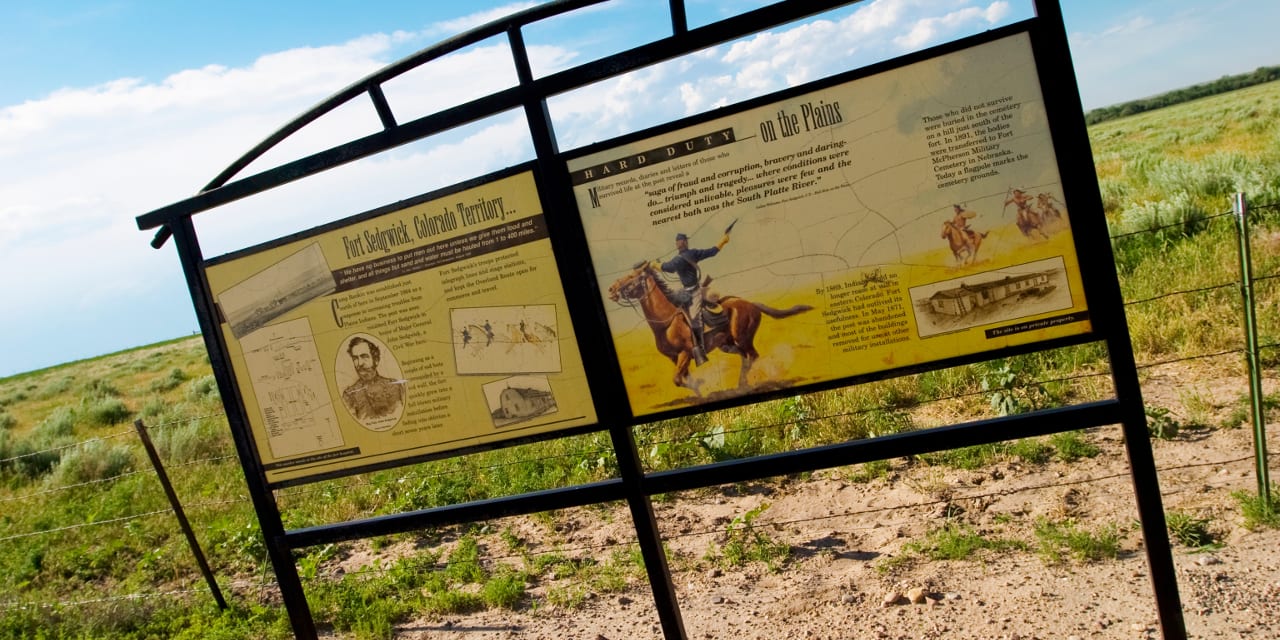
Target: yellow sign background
[(839, 200)]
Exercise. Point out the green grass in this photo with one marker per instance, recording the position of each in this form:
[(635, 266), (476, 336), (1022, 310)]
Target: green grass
[(956, 541), (1259, 511), (1070, 446), (743, 542), (1190, 531), (868, 471), (1059, 541)]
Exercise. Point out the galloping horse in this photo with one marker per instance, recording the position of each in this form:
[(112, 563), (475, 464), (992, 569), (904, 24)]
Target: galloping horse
[(1030, 223), (964, 242), (670, 326)]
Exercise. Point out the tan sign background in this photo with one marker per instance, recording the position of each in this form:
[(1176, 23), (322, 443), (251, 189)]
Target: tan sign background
[(434, 327)]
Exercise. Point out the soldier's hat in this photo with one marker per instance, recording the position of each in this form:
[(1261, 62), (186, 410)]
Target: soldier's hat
[(681, 236)]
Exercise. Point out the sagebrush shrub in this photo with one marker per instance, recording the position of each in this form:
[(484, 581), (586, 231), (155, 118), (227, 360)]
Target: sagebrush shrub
[(170, 382), (203, 389), (109, 411), (93, 460)]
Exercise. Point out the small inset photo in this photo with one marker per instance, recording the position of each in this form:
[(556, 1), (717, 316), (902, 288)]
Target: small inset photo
[(519, 398), (371, 382), (991, 297), (505, 340)]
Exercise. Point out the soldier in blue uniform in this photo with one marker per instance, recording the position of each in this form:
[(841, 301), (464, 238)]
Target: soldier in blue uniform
[(685, 265)]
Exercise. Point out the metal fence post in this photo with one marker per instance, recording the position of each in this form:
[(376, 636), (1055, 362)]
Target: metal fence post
[(181, 515), (1241, 209)]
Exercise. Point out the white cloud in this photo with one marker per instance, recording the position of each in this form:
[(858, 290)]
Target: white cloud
[(766, 62), (932, 30), (85, 156), (1130, 29), (480, 18), (82, 163)]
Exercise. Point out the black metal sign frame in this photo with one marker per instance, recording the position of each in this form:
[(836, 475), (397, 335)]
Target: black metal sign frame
[(577, 274)]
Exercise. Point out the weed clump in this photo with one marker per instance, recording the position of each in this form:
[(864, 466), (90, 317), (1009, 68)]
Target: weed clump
[(1059, 541), (1189, 530), (1259, 511), (955, 541), (744, 542), (1072, 446)]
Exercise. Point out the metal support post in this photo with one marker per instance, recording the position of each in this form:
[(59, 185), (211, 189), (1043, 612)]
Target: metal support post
[(1241, 208), (180, 514)]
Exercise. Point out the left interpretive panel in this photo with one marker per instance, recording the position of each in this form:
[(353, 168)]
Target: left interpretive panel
[(433, 325)]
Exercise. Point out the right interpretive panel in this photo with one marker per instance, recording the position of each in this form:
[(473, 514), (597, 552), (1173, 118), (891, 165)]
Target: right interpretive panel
[(896, 219)]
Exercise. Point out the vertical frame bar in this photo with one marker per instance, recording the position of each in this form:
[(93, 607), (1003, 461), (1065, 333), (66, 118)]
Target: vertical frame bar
[(643, 518), (1062, 101), (264, 504)]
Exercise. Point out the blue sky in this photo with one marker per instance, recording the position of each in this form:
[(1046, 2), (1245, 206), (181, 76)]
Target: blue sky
[(112, 108)]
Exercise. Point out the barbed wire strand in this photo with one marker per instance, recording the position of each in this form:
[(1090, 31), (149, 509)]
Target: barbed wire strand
[(441, 474), (1184, 292), (83, 525), (108, 479), (178, 421), (69, 487), (526, 554), (693, 437), (1203, 356), (264, 584), (697, 436), (1120, 236), (64, 447)]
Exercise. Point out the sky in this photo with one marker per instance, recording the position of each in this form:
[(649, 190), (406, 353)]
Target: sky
[(113, 108)]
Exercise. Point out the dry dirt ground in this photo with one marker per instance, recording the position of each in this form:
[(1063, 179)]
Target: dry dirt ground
[(847, 579)]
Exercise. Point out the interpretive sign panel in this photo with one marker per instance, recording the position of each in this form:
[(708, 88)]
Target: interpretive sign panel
[(430, 326), (881, 222)]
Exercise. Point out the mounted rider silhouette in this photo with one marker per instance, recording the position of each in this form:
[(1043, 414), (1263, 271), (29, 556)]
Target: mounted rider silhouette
[(685, 265), (960, 220)]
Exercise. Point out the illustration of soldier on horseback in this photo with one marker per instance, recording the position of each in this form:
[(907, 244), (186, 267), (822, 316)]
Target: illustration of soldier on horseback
[(692, 297), (684, 328)]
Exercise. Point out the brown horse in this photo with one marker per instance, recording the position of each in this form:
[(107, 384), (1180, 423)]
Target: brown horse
[(1030, 223), (671, 330), (964, 242)]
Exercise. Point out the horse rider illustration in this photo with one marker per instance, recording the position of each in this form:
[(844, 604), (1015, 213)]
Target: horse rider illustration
[(1026, 219), (960, 220), (685, 266), (1047, 210)]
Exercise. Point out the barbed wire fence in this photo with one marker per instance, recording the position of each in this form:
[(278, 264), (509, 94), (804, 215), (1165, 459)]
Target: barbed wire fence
[(262, 586)]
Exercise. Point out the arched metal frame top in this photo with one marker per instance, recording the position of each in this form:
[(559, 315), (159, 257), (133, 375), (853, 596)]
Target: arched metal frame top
[(221, 190)]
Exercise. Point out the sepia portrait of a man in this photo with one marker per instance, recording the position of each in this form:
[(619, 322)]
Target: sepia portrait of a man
[(373, 398)]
